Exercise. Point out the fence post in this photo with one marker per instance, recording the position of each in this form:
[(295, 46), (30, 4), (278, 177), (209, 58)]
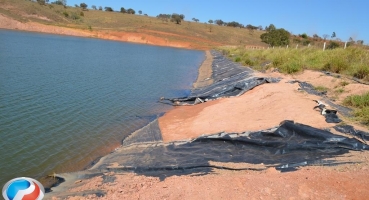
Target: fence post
[(287, 46), (345, 45), (297, 45), (324, 46)]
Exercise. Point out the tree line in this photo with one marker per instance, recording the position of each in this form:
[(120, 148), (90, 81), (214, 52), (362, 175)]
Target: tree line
[(272, 35)]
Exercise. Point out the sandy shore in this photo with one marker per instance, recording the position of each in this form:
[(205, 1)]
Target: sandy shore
[(263, 107)]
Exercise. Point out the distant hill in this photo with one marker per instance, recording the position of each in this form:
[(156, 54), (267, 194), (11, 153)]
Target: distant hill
[(123, 26)]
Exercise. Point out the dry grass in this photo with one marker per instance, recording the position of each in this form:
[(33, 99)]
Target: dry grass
[(353, 61), (212, 35)]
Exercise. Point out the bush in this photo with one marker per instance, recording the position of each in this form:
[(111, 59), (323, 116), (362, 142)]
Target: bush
[(276, 37), (333, 45), (65, 13), (75, 16), (82, 14), (306, 42), (237, 59)]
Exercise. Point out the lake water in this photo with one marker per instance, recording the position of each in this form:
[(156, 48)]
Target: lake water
[(65, 101)]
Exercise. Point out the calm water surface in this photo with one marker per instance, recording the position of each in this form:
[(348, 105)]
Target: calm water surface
[(65, 101)]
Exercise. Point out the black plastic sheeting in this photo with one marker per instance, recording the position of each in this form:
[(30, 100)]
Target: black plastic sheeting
[(350, 130), (149, 133), (329, 114), (289, 145), (229, 79)]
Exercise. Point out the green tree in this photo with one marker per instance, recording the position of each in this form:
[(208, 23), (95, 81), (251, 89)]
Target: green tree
[(83, 6), (140, 12), (333, 45), (211, 21), (276, 37), (269, 28), (60, 2), (360, 42), (176, 18), (109, 9), (94, 7), (122, 10), (304, 35), (131, 11), (219, 22), (333, 35)]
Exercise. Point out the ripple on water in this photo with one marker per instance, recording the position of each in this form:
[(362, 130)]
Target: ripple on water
[(62, 106)]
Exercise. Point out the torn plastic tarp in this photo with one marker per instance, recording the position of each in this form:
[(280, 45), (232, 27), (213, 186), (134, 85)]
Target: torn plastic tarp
[(329, 114), (291, 144), (350, 130), (229, 79)]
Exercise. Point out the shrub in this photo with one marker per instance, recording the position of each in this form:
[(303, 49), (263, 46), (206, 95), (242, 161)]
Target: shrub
[(333, 45), (82, 14), (237, 59), (65, 13), (306, 42), (74, 16)]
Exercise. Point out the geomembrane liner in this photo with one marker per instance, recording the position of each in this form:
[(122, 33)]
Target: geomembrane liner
[(290, 143), (229, 79)]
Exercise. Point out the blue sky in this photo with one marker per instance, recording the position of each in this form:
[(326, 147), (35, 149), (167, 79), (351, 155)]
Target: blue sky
[(348, 18)]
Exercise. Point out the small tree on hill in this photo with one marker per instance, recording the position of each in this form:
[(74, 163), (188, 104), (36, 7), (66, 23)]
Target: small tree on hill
[(269, 28), (109, 9), (140, 12), (83, 6), (211, 21), (333, 35), (122, 10), (219, 22), (176, 18), (93, 7), (131, 11), (100, 7), (276, 37)]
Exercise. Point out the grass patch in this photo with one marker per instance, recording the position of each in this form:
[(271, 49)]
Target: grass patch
[(361, 105), (352, 61), (344, 83), (321, 88)]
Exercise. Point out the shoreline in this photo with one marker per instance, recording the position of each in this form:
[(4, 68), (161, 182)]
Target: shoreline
[(7, 23), (110, 180), (204, 69)]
